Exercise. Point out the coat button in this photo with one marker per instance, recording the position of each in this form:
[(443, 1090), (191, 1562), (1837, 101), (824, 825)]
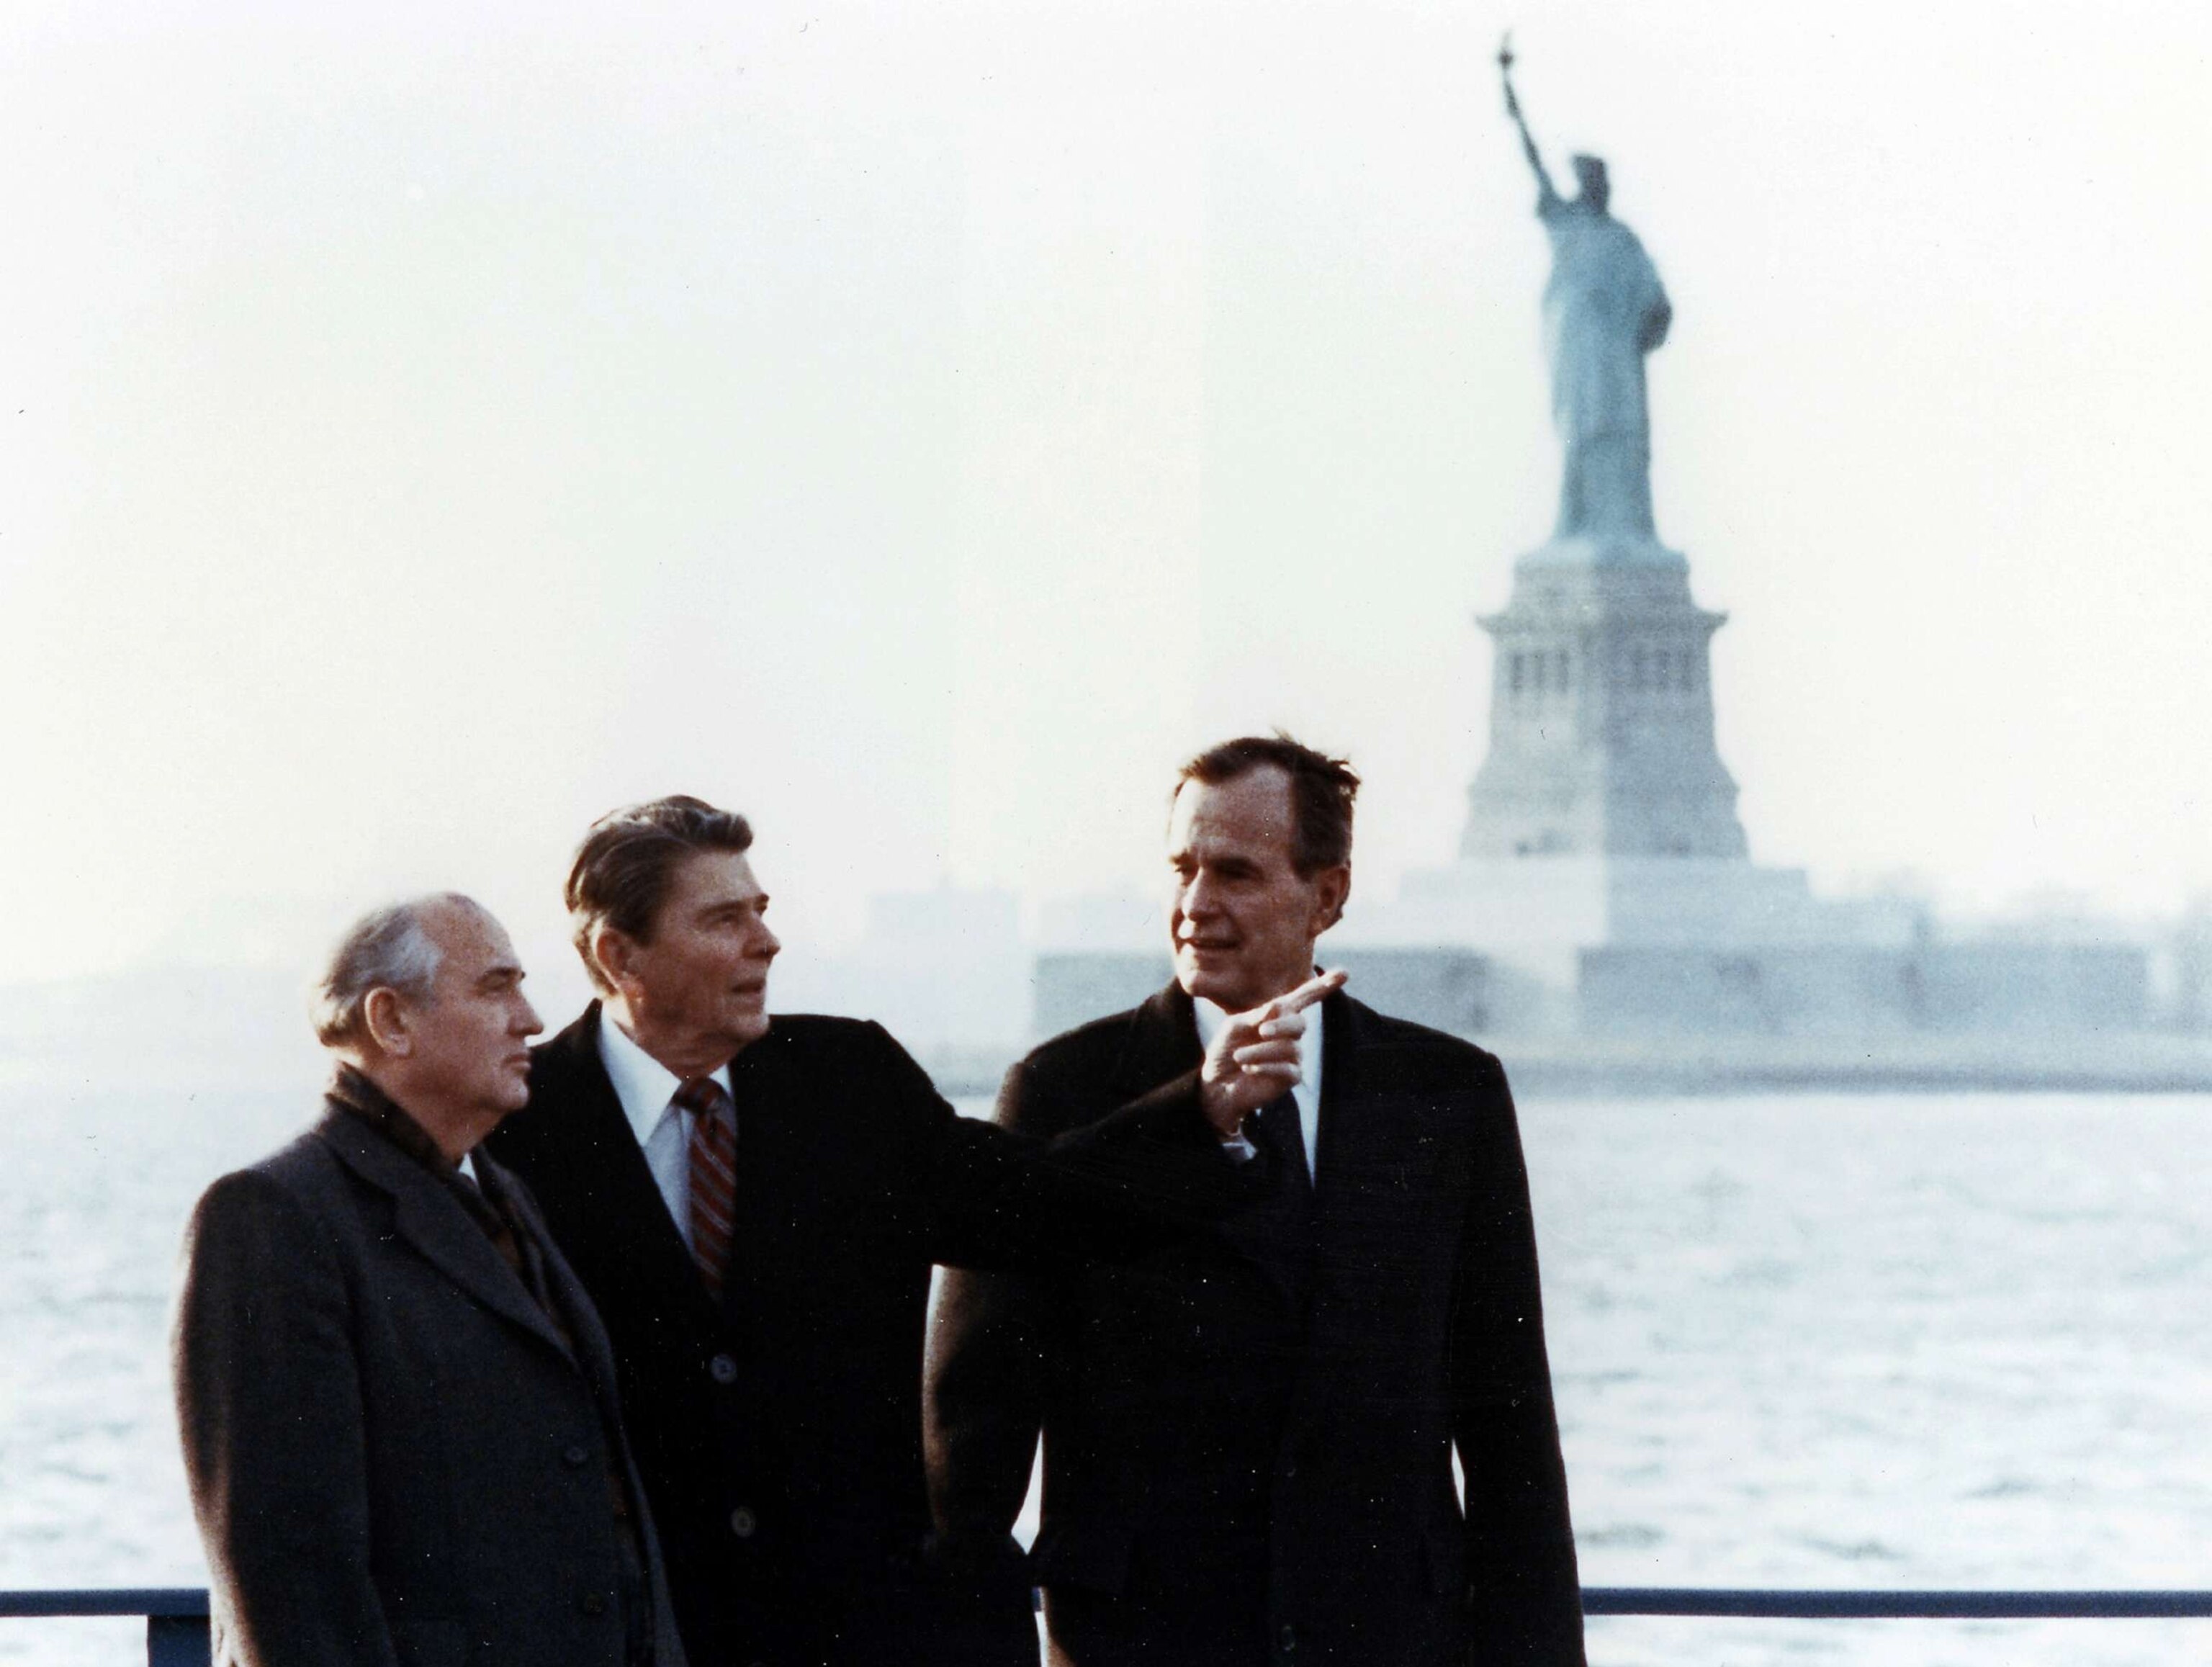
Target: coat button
[(1288, 1638), (722, 1369), (743, 1522), (573, 1456), (593, 1602)]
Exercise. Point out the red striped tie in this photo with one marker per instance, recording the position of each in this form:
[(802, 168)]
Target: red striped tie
[(713, 1176)]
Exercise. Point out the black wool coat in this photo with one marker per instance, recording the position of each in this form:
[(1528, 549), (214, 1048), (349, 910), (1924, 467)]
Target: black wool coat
[(396, 1458), (1240, 1468)]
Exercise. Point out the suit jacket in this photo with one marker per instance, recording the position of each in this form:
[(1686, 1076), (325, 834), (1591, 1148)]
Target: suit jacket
[(779, 1431), (396, 1458), (1232, 1474)]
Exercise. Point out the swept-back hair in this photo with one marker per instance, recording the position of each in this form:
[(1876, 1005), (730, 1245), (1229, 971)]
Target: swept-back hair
[(628, 862), (1322, 790)]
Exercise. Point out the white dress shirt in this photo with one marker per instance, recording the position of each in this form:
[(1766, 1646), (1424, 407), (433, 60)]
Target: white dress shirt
[(1307, 1093), (646, 1089)]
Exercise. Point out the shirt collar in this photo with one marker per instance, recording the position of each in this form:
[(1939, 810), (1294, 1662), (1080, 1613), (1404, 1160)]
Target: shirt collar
[(1211, 1017), (643, 1084)]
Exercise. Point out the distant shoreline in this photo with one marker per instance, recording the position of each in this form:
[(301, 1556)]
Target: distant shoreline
[(1551, 1066), (1577, 1067)]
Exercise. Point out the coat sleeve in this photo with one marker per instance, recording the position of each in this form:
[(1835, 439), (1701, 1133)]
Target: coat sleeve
[(1109, 1187), (1523, 1591), (269, 1406)]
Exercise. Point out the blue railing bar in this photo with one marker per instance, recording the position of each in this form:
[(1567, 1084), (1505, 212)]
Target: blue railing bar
[(166, 1603), (1768, 1602), (188, 1602)]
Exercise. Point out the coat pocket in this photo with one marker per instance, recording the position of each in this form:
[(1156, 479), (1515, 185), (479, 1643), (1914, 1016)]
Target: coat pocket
[(1093, 1555)]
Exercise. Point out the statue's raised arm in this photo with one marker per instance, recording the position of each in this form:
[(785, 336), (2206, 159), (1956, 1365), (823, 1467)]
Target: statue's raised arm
[(1604, 309), (1547, 193)]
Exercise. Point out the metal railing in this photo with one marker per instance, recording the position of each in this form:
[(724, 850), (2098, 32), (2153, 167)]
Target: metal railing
[(177, 1618), (1776, 1604)]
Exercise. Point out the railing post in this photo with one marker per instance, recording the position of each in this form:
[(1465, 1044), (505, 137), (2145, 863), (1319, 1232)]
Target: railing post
[(177, 1640)]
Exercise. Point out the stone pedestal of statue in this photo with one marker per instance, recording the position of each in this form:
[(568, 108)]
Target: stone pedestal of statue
[(1602, 712), (1602, 839), (1602, 813)]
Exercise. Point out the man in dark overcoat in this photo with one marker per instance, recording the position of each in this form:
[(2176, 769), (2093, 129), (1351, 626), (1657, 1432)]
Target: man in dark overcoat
[(755, 1204), (398, 1409), (1248, 1436)]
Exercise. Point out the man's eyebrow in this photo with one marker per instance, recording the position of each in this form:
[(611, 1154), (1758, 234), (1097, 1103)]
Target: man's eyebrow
[(505, 974), (735, 905)]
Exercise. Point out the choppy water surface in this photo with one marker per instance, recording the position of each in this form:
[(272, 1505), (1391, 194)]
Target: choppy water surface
[(1879, 1341)]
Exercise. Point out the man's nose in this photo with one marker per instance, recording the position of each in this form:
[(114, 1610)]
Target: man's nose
[(766, 945), (527, 1023), (1197, 898)]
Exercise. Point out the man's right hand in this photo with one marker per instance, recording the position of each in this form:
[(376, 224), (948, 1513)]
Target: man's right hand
[(1255, 1056)]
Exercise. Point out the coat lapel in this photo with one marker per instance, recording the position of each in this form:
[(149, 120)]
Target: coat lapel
[(1340, 1079), (436, 1223), (778, 1137), (1370, 1178), (592, 1351), (1160, 1045), (1377, 1145), (613, 1215)]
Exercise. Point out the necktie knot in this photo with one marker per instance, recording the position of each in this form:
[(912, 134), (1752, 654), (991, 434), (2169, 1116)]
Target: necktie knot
[(702, 1096)]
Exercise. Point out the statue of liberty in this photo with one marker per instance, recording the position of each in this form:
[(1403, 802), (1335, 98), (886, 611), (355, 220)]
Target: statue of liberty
[(1603, 311)]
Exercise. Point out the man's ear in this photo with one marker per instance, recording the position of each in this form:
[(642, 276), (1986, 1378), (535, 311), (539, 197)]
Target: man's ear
[(614, 953), (1332, 887), (383, 1016)]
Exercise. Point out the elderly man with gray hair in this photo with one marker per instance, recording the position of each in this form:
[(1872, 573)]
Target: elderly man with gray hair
[(397, 1405)]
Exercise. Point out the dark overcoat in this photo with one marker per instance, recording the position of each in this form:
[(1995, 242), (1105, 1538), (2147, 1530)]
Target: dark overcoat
[(396, 1458), (1248, 1459), (779, 1429)]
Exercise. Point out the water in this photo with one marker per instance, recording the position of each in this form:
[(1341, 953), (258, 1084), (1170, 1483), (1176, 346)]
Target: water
[(1883, 1340), (1849, 1340)]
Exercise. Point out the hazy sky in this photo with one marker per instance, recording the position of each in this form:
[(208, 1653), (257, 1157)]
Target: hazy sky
[(429, 425)]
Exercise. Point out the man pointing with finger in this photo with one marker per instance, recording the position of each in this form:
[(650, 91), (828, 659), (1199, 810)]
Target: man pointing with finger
[(1248, 1436), (754, 1203)]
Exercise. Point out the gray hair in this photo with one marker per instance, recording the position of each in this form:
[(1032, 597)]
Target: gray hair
[(387, 948)]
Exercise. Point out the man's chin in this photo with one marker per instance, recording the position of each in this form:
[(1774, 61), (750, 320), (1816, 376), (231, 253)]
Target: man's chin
[(512, 1097), (1204, 985)]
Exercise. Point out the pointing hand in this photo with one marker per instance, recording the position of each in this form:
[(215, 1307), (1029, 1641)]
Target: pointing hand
[(1255, 1056)]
